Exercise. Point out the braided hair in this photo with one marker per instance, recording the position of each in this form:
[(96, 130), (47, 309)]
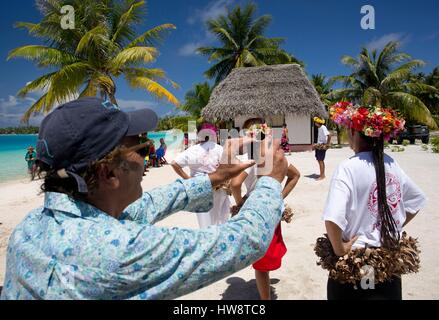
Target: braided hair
[(389, 230)]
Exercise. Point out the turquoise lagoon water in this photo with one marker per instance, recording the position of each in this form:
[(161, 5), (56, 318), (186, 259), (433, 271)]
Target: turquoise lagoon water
[(13, 150)]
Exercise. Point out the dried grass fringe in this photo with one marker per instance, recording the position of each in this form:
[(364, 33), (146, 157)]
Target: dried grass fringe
[(386, 263), (287, 215)]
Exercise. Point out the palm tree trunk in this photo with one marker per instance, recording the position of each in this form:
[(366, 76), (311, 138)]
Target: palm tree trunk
[(113, 99)]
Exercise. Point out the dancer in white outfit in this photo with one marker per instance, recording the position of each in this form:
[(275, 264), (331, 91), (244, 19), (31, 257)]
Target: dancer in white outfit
[(204, 158)]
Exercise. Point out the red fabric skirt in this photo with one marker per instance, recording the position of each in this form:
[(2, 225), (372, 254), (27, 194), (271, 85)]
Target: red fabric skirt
[(273, 257)]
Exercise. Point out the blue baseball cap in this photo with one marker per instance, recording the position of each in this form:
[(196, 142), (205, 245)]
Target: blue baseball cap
[(86, 130)]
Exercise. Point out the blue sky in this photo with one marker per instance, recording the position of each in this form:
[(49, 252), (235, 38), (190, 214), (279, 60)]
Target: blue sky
[(319, 32)]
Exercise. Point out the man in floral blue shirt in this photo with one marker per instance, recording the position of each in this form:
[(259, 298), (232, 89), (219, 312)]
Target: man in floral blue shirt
[(95, 238)]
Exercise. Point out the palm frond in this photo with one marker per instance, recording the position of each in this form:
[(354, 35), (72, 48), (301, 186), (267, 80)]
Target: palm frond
[(36, 108), (42, 55), (122, 28), (372, 96), (350, 61), (152, 87), (411, 107), (152, 36), (65, 83), (133, 55), (96, 36), (41, 83), (224, 35)]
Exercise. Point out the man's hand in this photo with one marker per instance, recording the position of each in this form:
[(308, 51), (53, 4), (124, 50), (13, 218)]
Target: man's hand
[(230, 166), (275, 156)]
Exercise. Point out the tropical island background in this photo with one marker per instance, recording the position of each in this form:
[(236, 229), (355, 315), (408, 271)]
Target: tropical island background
[(169, 55)]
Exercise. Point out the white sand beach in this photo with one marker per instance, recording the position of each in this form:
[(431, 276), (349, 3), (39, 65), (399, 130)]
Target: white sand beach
[(299, 277)]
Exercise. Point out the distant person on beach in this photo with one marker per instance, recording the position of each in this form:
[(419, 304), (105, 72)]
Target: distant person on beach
[(186, 141), (323, 143), (161, 152), (370, 201), (30, 158), (284, 142), (201, 159), (94, 237)]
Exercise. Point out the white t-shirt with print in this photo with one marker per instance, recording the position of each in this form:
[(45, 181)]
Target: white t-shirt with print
[(202, 158), (353, 196), (323, 135)]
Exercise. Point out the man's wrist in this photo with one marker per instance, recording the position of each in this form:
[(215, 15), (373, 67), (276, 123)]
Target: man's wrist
[(215, 179)]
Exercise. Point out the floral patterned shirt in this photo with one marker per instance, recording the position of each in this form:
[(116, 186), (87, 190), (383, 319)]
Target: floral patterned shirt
[(71, 250)]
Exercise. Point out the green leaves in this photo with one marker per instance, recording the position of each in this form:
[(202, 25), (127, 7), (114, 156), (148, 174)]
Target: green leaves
[(385, 78), (196, 99), (103, 46), (133, 55), (43, 56), (243, 43)]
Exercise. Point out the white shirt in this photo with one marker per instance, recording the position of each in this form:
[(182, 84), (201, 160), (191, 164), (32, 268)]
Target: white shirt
[(201, 158), (353, 196), (323, 135)]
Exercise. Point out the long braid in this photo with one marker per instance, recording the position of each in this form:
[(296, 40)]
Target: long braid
[(389, 230)]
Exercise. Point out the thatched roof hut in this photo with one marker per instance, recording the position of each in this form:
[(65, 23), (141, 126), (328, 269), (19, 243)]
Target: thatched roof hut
[(282, 90)]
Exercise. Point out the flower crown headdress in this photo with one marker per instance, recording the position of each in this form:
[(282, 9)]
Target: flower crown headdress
[(255, 129), (372, 121)]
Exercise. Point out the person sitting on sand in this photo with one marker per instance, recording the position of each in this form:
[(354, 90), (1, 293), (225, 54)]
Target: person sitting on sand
[(94, 237), (370, 200), (161, 152), (323, 143)]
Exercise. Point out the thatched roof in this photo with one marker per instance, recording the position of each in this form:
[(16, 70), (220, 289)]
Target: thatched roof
[(264, 91)]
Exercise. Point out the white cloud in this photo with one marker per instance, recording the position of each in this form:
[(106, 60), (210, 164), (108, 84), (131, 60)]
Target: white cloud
[(431, 36), (11, 101), (190, 48), (380, 43), (132, 105), (211, 11), (12, 109)]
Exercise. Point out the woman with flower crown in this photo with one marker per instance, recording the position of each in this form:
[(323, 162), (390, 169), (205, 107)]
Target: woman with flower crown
[(273, 257), (370, 200)]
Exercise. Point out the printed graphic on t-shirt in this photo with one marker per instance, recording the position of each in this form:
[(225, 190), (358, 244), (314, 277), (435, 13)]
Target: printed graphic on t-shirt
[(393, 190), (209, 160)]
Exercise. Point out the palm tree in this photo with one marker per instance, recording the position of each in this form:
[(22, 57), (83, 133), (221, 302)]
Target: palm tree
[(243, 43), (383, 79), (86, 60), (197, 99), (323, 87), (431, 99)]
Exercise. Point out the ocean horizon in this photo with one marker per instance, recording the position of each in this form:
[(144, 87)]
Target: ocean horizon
[(13, 148)]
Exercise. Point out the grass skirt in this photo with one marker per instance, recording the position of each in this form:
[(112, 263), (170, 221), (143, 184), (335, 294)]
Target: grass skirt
[(386, 263)]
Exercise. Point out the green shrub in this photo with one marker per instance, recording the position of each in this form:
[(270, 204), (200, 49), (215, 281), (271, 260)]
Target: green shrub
[(405, 143), (424, 147), (435, 148), (397, 149), (436, 118), (386, 145), (435, 141)]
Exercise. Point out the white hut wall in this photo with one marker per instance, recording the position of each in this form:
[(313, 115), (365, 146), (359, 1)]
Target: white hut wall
[(299, 129)]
